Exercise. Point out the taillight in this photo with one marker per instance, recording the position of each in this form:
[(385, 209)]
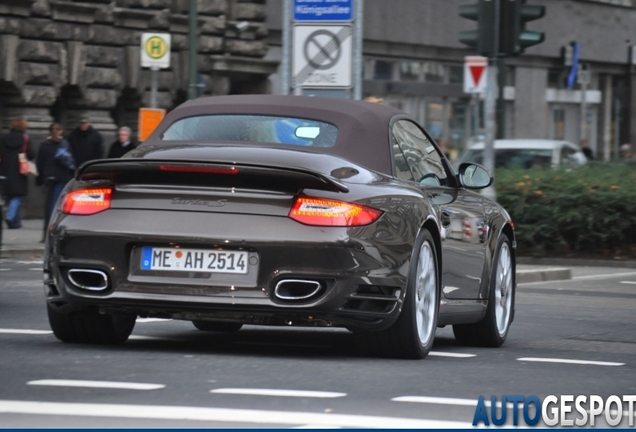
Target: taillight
[(325, 212), (87, 201)]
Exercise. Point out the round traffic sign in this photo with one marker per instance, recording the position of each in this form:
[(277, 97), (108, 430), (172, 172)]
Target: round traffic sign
[(322, 49), (156, 47)]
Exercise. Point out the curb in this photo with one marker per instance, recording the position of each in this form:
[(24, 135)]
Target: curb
[(526, 276), (22, 254), (576, 262)]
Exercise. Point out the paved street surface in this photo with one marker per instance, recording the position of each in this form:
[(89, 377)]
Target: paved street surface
[(569, 337)]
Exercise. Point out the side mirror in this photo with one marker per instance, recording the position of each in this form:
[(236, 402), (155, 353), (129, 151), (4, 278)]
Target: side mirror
[(474, 176)]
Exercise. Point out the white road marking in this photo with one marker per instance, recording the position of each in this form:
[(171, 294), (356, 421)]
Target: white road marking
[(5, 269), (279, 344), (277, 392), (628, 282), (147, 320), (223, 415), (36, 269), (601, 276), (96, 384), (605, 276), (437, 400), (569, 361), (153, 338), (444, 401), (450, 354), (23, 331)]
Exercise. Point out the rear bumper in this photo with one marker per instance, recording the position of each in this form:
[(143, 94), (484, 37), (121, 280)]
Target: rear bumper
[(361, 279)]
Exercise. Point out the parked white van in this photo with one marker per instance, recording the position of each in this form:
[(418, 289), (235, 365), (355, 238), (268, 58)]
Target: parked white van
[(527, 153)]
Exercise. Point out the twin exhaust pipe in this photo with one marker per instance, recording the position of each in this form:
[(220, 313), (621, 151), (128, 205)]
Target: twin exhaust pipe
[(286, 289)]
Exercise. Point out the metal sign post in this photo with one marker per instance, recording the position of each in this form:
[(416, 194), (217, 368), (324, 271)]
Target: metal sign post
[(490, 108), (584, 81), (155, 54)]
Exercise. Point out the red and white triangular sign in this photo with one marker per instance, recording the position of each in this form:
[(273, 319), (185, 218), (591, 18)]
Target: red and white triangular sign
[(475, 74)]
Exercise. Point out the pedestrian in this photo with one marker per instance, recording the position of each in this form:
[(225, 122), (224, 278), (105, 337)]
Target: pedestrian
[(443, 146), (86, 143), (626, 152), (55, 168), (15, 185), (587, 151), (123, 145)]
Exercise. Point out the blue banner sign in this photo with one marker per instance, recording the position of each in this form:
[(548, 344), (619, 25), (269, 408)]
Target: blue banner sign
[(323, 10)]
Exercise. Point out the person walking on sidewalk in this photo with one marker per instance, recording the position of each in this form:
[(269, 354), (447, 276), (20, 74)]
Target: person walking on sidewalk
[(86, 143), (55, 168), (15, 185), (123, 145)]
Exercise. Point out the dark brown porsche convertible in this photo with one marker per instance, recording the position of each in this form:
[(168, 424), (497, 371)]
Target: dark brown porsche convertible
[(283, 210)]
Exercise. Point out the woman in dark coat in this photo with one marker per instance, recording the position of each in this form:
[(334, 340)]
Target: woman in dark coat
[(55, 168), (15, 185)]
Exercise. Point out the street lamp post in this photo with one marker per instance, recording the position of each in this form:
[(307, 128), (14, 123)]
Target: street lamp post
[(192, 51)]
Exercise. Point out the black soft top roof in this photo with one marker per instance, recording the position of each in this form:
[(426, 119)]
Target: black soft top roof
[(363, 132)]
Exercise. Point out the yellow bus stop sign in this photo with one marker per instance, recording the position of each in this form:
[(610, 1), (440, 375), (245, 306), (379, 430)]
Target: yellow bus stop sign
[(155, 50)]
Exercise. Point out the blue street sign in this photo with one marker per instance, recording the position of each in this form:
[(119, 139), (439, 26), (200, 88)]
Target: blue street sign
[(323, 10), (574, 69)]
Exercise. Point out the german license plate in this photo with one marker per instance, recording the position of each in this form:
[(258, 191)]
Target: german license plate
[(189, 260)]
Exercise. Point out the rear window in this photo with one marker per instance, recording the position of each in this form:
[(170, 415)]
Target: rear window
[(514, 158), (253, 128)]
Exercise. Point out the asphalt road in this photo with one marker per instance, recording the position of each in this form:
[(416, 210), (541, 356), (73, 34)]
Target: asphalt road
[(569, 337)]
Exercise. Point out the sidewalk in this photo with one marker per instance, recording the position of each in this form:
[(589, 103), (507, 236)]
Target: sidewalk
[(24, 244)]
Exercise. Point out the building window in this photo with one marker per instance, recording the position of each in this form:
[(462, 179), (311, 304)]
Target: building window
[(556, 78), (558, 119), (383, 70), (435, 72), (456, 74), (410, 71)]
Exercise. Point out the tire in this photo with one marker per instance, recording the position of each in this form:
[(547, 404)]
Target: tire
[(493, 329), (217, 326), (413, 334), (91, 327)]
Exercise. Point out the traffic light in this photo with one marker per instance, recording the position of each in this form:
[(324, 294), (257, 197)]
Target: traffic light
[(484, 38), (513, 37)]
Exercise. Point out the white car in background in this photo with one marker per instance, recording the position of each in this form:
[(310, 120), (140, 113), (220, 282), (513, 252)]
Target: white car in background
[(527, 153)]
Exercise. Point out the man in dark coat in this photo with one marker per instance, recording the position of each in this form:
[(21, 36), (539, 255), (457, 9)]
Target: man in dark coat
[(86, 143), (15, 185), (55, 168), (123, 145)]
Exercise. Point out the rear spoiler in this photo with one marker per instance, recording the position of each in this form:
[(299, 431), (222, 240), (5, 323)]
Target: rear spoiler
[(208, 173)]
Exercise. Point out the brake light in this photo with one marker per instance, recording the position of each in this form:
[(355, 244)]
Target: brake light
[(87, 201), (325, 212), (198, 169)]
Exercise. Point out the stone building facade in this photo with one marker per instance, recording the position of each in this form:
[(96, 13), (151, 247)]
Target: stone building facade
[(61, 60)]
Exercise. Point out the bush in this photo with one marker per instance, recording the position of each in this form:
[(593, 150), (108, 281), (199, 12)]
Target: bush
[(585, 211)]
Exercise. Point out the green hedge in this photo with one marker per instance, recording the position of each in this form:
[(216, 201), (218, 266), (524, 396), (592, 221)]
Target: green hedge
[(585, 211)]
